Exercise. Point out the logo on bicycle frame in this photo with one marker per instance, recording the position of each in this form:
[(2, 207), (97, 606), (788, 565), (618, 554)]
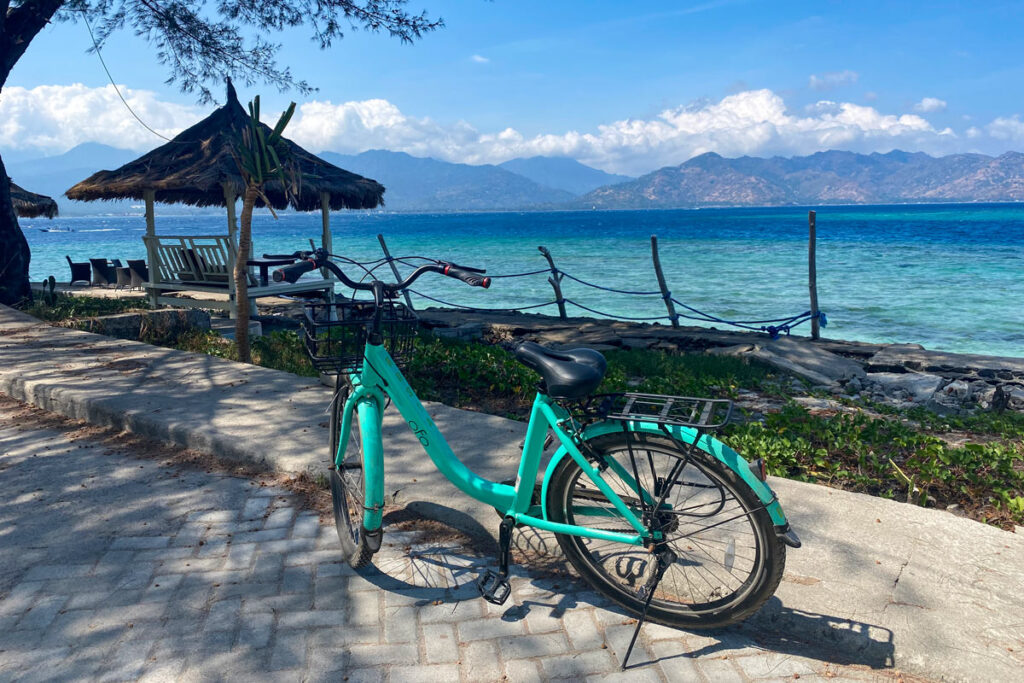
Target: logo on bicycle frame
[(421, 434)]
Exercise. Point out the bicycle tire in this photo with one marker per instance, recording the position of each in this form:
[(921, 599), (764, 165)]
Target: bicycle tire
[(348, 486), (720, 501)]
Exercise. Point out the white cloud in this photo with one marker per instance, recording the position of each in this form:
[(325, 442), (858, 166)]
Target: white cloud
[(832, 79), (54, 118), (479, 59), (1007, 128), (930, 104), (755, 122)]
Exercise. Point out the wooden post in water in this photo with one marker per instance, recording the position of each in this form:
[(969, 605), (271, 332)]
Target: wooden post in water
[(556, 282), (394, 269), (812, 274), (665, 294)]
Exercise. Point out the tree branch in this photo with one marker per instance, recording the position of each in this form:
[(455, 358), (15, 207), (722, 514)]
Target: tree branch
[(22, 25)]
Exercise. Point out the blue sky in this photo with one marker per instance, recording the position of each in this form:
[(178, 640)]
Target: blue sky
[(623, 86)]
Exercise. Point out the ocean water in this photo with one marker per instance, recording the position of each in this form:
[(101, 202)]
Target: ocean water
[(950, 277)]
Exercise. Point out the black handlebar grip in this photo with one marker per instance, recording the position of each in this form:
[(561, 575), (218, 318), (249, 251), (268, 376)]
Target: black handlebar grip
[(291, 273), (469, 277)]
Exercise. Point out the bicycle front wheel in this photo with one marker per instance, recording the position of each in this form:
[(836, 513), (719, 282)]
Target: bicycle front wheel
[(348, 487), (729, 559)]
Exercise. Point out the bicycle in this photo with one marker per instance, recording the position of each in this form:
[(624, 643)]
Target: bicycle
[(648, 507)]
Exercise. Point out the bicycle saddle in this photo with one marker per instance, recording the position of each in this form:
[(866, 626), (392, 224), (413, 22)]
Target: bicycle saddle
[(566, 374)]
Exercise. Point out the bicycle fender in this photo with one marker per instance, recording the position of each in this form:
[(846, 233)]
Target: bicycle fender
[(710, 445)]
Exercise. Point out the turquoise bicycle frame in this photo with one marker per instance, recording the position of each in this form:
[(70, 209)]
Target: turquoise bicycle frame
[(380, 376)]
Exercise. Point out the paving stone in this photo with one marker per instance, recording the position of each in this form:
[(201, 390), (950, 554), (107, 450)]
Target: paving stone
[(280, 517), (435, 673), (774, 665), (364, 608), (256, 630), (439, 643), (380, 655), (311, 619), (223, 615), (522, 670), (289, 651), (42, 613), (717, 669), (306, 526), (541, 645), (480, 661), (57, 571), (577, 664), (482, 629), (255, 507), (297, 580), (582, 630), (140, 542), (400, 625)]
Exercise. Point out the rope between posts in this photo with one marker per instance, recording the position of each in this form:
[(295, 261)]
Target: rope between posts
[(483, 310), (773, 326), (607, 289), (622, 317)]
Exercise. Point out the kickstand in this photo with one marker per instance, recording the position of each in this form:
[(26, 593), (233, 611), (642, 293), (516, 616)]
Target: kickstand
[(665, 560), (494, 587)]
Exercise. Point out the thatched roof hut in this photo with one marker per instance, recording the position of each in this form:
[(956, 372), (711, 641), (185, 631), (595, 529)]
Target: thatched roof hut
[(197, 168), (31, 205)]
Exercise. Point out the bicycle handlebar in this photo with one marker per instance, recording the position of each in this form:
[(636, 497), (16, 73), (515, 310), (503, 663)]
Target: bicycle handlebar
[(311, 260)]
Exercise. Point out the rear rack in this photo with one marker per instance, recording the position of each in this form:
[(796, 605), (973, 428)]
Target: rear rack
[(703, 414)]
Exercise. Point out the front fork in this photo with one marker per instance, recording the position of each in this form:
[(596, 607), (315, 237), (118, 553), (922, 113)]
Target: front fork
[(366, 406)]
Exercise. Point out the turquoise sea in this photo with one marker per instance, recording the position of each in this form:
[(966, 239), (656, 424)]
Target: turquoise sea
[(949, 277)]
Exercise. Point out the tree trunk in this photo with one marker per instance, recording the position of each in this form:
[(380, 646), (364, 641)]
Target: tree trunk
[(242, 274), (18, 26), (14, 251)]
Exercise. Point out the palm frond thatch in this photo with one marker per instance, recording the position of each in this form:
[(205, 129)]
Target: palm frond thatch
[(195, 165), (31, 205)]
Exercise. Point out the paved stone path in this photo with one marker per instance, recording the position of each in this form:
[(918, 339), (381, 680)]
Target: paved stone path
[(117, 567)]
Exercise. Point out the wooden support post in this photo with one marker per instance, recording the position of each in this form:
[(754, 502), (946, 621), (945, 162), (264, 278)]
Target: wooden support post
[(229, 203), (394, 269), (325, 238), (556, 282), (665, 294), (812, 274), (152, 264)]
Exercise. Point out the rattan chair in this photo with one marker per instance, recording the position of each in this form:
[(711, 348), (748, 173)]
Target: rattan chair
[(139, 272), (103, 274), (79, 271), (124, 277)]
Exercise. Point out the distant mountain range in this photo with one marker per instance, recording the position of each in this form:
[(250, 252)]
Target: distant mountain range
[(424, 184), (823, 178), (708, 180)]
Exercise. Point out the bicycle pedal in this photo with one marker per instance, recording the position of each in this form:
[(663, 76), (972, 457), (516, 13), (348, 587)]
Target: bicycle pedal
[(494, 587)]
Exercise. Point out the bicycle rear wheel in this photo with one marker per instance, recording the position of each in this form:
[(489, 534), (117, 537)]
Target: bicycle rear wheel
[(348, 487), (729, 559)]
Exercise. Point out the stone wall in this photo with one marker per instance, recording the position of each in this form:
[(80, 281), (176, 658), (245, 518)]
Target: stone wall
[(164, 325)]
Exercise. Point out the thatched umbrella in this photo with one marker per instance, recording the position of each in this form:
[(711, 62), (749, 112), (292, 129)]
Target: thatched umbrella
[(197, 168), (32, 205)]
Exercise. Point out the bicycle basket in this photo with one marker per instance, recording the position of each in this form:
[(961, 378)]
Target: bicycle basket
[(335, 334)]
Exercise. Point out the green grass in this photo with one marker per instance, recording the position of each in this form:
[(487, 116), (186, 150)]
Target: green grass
[(893, 457), (67, 307)]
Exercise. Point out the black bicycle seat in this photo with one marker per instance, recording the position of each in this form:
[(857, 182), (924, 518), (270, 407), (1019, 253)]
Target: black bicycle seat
[(566, 374)]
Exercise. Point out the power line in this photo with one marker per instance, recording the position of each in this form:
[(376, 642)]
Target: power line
[(116, 89)]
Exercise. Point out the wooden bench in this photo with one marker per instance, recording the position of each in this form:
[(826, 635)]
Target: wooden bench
[(206, 263)]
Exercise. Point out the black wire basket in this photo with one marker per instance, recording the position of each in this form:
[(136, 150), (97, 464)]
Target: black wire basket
[(335, 334)]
